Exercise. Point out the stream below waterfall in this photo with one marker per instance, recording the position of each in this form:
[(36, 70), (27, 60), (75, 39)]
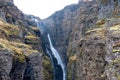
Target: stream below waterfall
[(59, 67)]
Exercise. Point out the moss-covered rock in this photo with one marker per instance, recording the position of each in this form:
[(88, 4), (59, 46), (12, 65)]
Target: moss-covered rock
[(47, 68), (12, 40)]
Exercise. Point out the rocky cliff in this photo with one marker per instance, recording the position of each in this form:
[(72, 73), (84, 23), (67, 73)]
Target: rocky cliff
[(87, 36), (94, 53), (70, 24), (59, 26), (20, 46)]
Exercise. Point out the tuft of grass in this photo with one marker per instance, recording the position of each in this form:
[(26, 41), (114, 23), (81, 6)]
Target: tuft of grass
[(73, 58), (9, 29), (19, 50), (35, 28), (93, 30), (32, 37), (114, 51), (20, 45), (47, 68), (20, 58), (2, 45), (96, 32), (116, 60), (100, 22)]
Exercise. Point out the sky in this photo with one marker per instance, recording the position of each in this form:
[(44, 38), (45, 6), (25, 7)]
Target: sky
[(42, 8)]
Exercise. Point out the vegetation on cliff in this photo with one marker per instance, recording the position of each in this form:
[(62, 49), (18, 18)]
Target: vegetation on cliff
[(21, 43)]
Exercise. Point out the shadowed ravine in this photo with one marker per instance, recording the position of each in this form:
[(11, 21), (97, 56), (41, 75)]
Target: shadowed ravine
[(58, 65), (58, 58)]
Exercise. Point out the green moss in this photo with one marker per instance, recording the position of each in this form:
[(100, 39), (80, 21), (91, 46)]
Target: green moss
[(20, 45), (11, 39), (18, 49), (17, 52), (48, 70), (20, 58)]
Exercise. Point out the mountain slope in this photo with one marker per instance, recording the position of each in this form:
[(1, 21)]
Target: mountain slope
[(20, 50)]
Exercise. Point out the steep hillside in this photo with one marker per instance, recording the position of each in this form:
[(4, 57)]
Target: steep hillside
[(21, 53), (18, 54)]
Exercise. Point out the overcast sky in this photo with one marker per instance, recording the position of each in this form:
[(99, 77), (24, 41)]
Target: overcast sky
[(42, 8)]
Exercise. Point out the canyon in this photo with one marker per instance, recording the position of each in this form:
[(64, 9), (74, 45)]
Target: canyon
[(85, 38)]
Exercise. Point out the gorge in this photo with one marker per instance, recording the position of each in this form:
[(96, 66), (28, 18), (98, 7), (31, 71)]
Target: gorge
[(79, 42), (59, 62)]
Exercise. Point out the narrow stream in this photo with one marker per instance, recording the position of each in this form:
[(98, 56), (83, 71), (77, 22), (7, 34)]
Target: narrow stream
[(58, 58)]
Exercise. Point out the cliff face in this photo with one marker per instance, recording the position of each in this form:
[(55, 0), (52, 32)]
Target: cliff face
[(60, 26), (20, 50), (67, 26), (16, 57), (87, 36), (68, 20), (89, 33), (11, 14), (94, 54), (86, 18)]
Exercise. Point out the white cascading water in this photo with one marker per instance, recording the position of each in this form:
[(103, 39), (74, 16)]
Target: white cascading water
[(39, 26), (57, 56), (54, 51)]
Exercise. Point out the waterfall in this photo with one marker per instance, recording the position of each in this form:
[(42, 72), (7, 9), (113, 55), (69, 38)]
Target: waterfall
[(39, 25), (57, 56), (57, 63)]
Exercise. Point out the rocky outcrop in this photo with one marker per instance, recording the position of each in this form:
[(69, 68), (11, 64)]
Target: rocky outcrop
[(33, 70), (16, 56), (6, 59), (11, 14), (20, 45), (92, 51), (87, 15)]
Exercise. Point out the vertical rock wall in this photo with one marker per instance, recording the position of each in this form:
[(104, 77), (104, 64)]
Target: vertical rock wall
[(95, 54)]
